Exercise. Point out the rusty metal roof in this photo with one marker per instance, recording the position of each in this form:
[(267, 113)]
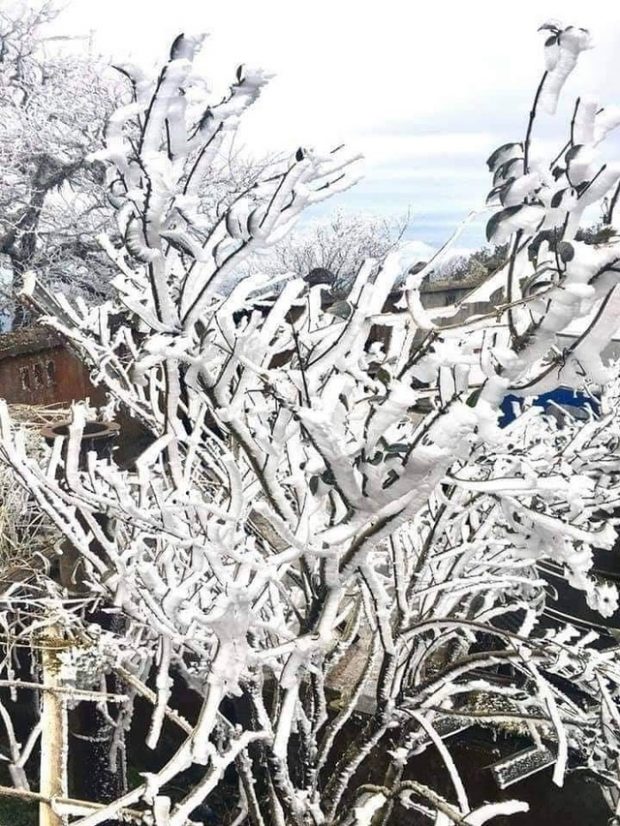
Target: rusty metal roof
[(28, 340)]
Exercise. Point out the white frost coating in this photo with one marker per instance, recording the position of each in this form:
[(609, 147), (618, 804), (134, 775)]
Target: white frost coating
[(606, 121), (560, 63), (486, 813), (521, 188), (585, 120), (364, 812), (527, 218)]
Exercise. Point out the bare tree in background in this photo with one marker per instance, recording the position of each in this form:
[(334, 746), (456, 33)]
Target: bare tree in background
[(55, 100), (54, 103), (337, 244)]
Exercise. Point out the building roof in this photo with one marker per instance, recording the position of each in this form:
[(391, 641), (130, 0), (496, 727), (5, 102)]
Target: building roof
[(451, 284), (28, 340)]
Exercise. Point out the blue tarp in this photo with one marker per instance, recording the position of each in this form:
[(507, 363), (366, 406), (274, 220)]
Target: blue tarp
[(561, 395)]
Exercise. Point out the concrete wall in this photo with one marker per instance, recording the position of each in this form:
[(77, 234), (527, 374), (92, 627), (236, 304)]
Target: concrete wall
[(443, 295), (435, 295)]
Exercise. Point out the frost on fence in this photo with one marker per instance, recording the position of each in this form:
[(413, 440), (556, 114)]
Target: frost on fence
[(296, 499), (521, 765)]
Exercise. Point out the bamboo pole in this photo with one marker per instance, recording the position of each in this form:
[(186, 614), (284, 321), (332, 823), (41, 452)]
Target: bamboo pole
[(53, 783), (76, 806), (75, 693)]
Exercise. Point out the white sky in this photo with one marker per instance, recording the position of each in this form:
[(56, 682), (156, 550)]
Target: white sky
[(425, 89)]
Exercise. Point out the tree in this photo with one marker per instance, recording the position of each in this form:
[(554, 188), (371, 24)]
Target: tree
[(337, 244), (471, 266), (54, 104), (290, 521)]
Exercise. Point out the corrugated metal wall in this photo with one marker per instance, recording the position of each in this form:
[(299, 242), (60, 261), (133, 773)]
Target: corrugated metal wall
[(35, 372)]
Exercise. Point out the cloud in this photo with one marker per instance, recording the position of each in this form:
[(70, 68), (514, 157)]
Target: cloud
[(426, 90)]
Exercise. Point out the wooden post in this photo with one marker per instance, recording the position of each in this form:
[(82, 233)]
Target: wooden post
[(53, 781), (90, 735)]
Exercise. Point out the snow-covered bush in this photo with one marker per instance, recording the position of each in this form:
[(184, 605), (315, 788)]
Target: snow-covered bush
[(327, 490)]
